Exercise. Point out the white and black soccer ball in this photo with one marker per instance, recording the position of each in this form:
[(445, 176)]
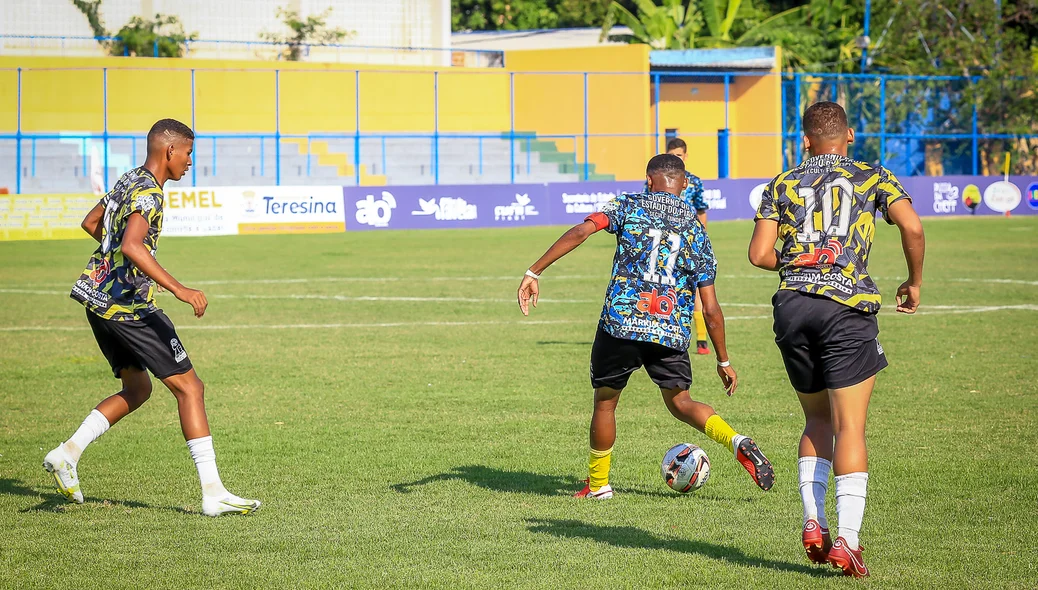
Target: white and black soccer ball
[(685, 468)]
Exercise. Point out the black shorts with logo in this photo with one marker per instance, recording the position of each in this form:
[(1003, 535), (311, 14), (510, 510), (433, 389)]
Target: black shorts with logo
[(825, 344), (148, 343), (613, 360)]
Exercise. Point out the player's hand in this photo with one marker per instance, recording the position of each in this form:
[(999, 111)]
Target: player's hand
[(528, 290), (907, 298), (195, 298), (728, 378)]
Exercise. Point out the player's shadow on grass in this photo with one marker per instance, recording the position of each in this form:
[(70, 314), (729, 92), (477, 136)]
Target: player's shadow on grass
[(499, 480), (635, 538), (52, 502)]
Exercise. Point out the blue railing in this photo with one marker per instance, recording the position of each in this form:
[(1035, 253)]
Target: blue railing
[(893, 129), (352, 53)]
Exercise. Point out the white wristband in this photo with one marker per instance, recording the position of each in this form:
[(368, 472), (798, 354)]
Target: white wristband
[(532, 274), (724, 363)]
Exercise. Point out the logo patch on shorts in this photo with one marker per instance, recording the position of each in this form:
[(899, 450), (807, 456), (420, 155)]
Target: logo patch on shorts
[(879, 347), (180, 354)]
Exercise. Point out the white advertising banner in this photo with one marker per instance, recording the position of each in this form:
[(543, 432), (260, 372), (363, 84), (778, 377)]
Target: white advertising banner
[(218, 211)]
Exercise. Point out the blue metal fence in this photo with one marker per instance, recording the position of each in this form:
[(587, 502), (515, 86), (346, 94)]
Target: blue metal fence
[(897, 118)]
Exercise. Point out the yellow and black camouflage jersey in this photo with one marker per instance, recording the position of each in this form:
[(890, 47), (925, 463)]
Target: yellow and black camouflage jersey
[(112, 286), (826, 210)]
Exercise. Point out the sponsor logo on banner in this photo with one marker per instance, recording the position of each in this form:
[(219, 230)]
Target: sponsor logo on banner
[(1032, 195), (1002, 196), (757, 195), (292, 205), (585, 203), (192, 199), (447, 209), (376, 213), (713, 198), (945, 197), (971, 196), (517, 211)]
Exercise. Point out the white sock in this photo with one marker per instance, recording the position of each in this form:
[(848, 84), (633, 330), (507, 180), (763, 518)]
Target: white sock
[(738, 438), (814, 483), (850, 505), (205, 460), (90, 430)]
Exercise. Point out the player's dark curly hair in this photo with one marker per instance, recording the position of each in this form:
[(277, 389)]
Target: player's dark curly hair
[(168, 129), (668, 165), (825, 120)]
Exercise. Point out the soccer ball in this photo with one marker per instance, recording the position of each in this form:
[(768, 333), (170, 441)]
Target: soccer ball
[(685, 468)]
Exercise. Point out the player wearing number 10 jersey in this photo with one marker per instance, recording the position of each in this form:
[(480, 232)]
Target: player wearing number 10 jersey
[(823, 213), (662, 256)]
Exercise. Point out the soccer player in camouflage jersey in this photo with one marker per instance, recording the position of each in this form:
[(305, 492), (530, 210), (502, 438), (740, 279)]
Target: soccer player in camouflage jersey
[(118, 289), (693, 194), (662, 257), (823, 213)]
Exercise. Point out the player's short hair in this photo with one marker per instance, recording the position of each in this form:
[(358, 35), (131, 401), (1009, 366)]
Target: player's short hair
[(825, 120), (668, 165), (676, 143), (169, 129)]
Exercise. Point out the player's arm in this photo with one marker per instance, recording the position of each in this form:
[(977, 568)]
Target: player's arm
[(715, 328), (701, 215), (134, 249), (574, 237), (92, 222), (762, 245), (913, 242)]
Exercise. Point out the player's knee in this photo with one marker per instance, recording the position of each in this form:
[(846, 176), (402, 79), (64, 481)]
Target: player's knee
[(139, 392), (188, 389)]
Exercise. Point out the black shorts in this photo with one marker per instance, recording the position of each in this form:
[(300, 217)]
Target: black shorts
[(613, 360), (148, 343), (825, 344)]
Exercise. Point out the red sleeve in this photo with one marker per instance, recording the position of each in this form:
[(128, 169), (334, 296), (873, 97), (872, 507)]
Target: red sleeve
[(601, 220)]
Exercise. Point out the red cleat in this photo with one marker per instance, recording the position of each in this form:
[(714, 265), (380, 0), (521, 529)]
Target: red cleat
[(603, 493), (701, 347), (847, 559), (756, 463), (817, 542)]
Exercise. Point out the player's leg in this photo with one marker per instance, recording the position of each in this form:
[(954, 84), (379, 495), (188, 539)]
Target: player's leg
[(613, 360), (814, 465), (850, 467), (62, 462), (671, 371), (701, 344), (704, 419)]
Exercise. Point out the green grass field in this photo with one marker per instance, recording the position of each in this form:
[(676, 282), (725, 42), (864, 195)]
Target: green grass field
[(406, 427)]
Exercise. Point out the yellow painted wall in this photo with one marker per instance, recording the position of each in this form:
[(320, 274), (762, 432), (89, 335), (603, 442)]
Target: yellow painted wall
[(696, 110), (756, 109)]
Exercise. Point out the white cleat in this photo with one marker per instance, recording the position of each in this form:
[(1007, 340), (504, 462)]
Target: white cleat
[(603, 493), (228, 504), (58, 464)]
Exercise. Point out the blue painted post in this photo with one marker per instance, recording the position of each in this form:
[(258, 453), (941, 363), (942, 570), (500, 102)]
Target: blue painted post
[(18, 140), (156, 47), (528, 150), (277, 127), (976, 150), (308, 155), (33, 158), (882, 119), (799, 117), (656, 95), (587, 164), (722, 153), (104, 89), (194, 170), (214, 155), (865, 51), (263, 142), (356, 127), (511, 127), (782, 124), (481, 155), (436, 127)]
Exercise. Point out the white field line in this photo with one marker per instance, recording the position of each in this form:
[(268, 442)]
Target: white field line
[(548, 278), (951, 310)]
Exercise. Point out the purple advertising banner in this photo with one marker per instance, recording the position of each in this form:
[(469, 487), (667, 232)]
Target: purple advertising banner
[(508, 205), (444, 206)]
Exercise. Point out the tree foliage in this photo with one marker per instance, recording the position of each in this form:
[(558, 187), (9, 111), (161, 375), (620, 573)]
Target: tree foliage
[(511, 15), (313, 30), (162, 36)]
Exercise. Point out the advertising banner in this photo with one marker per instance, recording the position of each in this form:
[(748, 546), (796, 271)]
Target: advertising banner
[(201, 211), (445, 206), (44, 217), (571, 202)]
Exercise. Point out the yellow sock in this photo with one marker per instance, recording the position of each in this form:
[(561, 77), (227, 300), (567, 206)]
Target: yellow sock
[(719, 430), (598, 468), (700, 325)]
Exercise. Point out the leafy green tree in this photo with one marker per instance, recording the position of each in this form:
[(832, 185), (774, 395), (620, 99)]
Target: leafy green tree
[(313, 30), (670, 26), (511, 15), (142, 37)]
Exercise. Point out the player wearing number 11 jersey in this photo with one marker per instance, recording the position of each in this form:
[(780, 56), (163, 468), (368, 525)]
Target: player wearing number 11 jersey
[(823, 214), (662, 256)]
